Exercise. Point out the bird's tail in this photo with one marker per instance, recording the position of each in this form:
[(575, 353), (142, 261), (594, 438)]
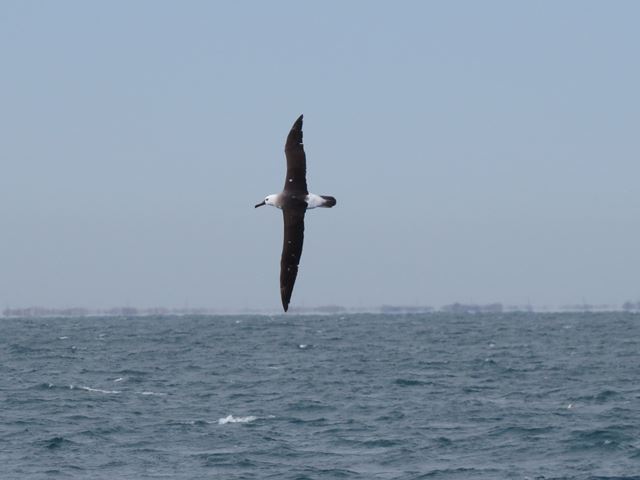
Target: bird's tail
[(328, 201)]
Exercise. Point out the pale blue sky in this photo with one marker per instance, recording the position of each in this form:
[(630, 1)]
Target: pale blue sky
[(479, 151)]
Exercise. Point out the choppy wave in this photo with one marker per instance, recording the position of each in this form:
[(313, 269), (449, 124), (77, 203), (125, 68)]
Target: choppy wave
[(96, 390), (232, 419), (57, 442), (362, 397)]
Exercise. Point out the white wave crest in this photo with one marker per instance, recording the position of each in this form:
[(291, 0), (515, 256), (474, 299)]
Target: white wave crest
[(232, 419), (152, 393), (97, 390)]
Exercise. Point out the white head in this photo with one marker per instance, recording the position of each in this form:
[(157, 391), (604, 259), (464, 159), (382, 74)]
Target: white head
[(268, 200)]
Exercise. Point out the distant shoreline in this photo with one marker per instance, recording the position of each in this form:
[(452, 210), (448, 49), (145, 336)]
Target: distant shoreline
[(454, 308)]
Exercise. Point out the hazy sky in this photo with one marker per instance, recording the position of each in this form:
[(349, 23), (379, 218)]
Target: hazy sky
[(479, 151)]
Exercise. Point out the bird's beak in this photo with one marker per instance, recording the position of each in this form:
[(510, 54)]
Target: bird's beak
[(260, 204)]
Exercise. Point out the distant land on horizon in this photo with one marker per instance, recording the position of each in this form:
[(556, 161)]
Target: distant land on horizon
[(453, 308)]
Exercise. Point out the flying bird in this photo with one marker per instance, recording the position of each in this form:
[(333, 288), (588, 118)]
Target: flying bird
[(294, 201)]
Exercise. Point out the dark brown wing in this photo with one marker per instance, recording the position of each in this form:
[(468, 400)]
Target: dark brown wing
[(296, 180), (291, 252)]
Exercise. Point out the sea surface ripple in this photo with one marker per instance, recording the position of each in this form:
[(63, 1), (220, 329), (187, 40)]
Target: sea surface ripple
[(437, 396)]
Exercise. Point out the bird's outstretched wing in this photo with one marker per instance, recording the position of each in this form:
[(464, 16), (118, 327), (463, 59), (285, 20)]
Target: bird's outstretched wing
[(291, 251), (296, 180)]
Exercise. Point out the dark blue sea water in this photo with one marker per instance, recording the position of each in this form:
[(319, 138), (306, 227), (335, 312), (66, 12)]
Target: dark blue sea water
[(510, 396)]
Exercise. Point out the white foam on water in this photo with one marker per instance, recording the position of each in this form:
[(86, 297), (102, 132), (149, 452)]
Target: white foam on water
[(232, 419), (188, 422), (64, 337), (119, 379), (97, 390), (152, 393)]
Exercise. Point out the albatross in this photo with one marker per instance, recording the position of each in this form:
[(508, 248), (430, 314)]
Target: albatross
[(294, 201)]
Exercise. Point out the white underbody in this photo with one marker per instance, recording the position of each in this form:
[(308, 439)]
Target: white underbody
[(311, 199)]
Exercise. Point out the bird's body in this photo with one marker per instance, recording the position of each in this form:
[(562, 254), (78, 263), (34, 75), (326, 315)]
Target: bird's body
[(294, 201), (281, 200)]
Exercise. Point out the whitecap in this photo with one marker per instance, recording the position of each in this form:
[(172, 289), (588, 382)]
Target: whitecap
[(119, 379), (64, 337), (98, 390), (187, 422), (152, 393), (232, 419)]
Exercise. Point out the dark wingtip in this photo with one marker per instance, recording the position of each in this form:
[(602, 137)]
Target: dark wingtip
[(285, 306)]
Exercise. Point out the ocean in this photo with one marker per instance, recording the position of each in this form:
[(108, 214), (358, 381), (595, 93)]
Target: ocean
[(434, 396)]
